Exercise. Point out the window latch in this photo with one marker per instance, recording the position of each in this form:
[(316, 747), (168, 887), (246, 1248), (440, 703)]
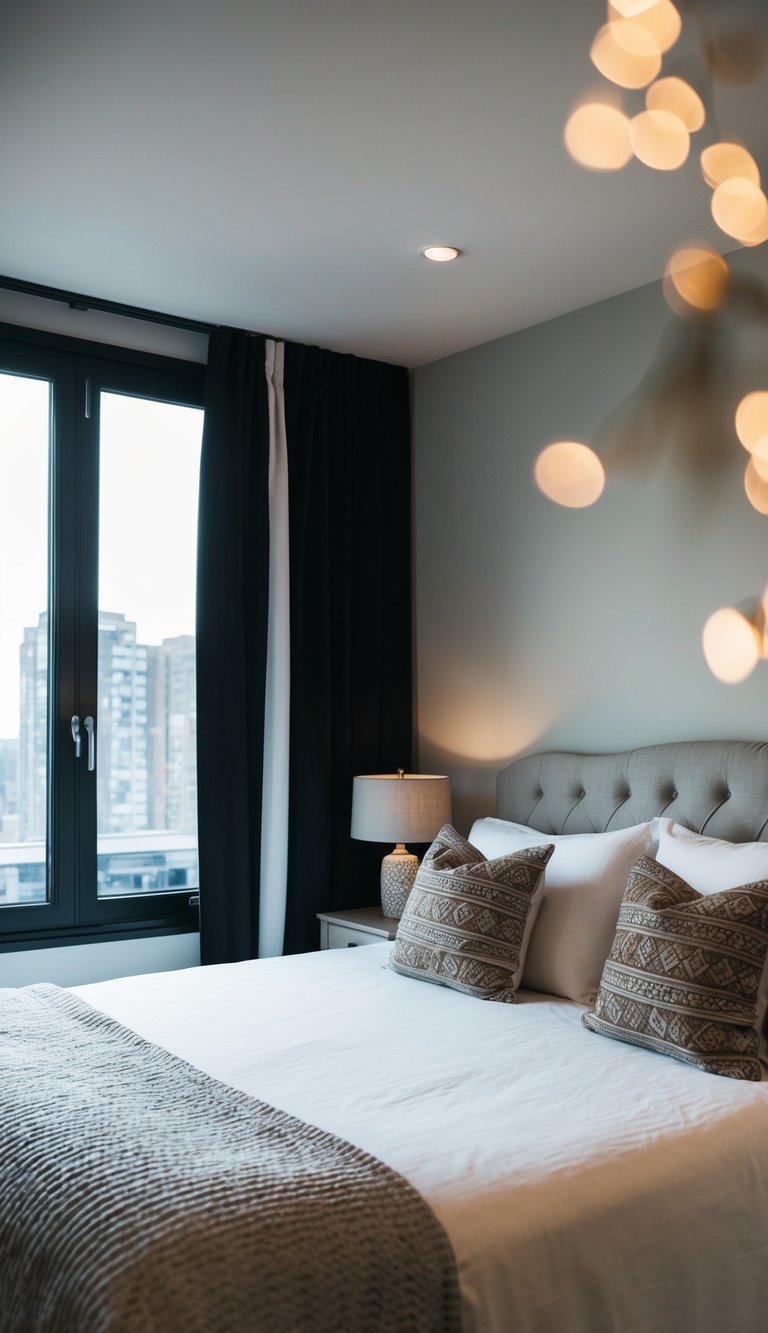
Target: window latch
[(89, 727)]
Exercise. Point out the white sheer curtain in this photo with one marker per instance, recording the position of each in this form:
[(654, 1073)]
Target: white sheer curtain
[(277, 702)]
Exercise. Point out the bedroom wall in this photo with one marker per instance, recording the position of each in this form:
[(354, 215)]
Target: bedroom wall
[(537, 627)]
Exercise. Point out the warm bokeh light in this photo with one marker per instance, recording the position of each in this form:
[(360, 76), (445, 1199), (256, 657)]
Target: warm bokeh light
[(722, 160), (760, 458), (680, 98), (731, 645), (628, 9), (752, 419), (570, 473), (739, 207), (757, 237), (626, 54), (660, 20), (659, 139), (697, 277), (756, 488), (597, 136)]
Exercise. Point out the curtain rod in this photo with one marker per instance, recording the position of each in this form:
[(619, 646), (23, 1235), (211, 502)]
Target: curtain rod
[(78, 301)]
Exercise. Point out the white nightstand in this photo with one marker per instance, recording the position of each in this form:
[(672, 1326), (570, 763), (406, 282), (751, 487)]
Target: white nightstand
[(357, 925)]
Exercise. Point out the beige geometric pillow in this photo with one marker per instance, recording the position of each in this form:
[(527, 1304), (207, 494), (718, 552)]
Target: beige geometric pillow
[(683, 972), (467, 921)]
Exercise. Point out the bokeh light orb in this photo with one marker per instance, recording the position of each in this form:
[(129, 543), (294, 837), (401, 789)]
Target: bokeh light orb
[(739, 207), (661, 21), (675, 95), (752, 419), (626, 54), (698, 277), (731, 645), (721, 161), (570, 474), (757, 237), (597, 136), (630, 8), (759, 457), (756, 488), (659, 139)]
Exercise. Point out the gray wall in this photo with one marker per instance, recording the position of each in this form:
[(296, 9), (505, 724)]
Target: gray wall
[(538, 627)]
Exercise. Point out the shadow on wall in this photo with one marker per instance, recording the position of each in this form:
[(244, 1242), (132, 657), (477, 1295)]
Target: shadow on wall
[(685, 404)]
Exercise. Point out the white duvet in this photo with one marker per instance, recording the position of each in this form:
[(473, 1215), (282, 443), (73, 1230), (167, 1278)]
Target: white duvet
[(586, 1186)]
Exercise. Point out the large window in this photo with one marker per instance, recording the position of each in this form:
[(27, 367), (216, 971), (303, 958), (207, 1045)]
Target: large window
[(99, 465), (24, 614)]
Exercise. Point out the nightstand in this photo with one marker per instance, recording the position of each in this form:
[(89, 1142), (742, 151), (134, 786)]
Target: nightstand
[(354, 926)]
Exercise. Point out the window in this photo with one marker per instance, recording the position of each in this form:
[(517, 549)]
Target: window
[(99, 465)]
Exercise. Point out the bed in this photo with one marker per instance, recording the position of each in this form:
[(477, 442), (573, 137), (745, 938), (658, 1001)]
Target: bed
[(585, 1186)]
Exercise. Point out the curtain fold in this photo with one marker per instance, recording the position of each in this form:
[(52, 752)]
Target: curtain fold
[(347, 425), (274, 812), (232, 629)]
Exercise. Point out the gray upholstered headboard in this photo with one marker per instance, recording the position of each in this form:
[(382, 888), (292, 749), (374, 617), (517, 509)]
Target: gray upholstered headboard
[(715, 787)]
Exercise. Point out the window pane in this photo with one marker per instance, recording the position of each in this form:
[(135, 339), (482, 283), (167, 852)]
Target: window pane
[(149, 461), (24, 454)]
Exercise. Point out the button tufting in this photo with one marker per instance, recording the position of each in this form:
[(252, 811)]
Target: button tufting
[(727, 796), (674, 796)]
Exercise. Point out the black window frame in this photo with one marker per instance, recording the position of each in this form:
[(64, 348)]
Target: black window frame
[(78, 371)]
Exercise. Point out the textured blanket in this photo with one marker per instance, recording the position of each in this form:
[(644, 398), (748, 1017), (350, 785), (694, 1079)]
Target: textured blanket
[(138, 1194)]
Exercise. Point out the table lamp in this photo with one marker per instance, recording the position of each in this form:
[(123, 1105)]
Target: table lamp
[(399, 807)]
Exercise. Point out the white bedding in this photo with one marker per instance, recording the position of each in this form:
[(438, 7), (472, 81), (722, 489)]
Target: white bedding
[(586, 1186)]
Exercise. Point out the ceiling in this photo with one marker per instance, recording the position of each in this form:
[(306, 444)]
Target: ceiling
[(279, 164)]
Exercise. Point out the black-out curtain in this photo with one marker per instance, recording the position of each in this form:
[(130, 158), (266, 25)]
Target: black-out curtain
[(347, 426), (232, 574), (348, 446)]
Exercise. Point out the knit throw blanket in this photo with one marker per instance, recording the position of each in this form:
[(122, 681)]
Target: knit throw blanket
[(138, 1194)]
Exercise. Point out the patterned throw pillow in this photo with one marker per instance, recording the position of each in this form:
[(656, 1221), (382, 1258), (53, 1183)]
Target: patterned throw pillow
[(467, 921), (683, 972)]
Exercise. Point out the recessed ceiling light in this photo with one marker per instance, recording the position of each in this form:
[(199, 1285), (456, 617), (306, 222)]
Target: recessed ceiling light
[(440, 254)]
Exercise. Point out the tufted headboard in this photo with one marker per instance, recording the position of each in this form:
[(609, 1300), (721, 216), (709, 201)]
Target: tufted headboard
[(715, 787)]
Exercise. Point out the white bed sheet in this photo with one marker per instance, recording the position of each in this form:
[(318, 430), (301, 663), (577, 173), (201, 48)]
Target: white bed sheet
[(586, 1186)]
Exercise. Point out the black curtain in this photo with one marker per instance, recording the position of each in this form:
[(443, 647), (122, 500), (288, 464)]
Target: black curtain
[(232, 589), (347, 425)]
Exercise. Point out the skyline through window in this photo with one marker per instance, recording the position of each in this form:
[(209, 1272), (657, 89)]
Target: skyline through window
[(145, 717)]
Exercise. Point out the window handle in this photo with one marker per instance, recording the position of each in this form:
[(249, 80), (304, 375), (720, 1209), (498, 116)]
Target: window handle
[(89, 725), (76, 737)]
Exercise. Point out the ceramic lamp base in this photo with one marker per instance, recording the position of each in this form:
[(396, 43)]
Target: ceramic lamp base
[(398, 871)]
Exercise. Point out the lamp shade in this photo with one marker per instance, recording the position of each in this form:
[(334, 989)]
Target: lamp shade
[(389, 807)]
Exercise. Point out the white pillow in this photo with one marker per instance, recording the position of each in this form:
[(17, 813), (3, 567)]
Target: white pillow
[(584, 884), (711, 865)]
